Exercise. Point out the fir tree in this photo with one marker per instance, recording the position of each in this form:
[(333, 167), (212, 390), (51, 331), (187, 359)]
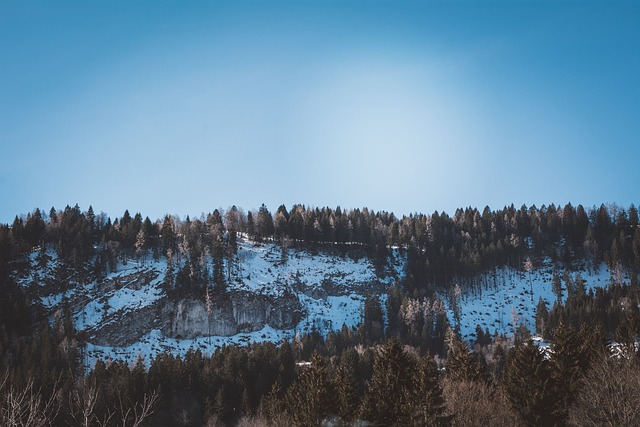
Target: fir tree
[(568, 365), (556, 284), (311, 397), (346, 393), (385, 397), (542, 317), (529, 387), (461, 364), (424, 401)]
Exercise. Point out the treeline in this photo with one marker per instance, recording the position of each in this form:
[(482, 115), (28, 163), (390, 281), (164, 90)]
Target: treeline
[(440, 247), (349, 376), (411, 370)]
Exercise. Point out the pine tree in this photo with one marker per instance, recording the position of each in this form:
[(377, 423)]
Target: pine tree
[(542, 317), (461, 364), (385, 397), (264, 223), (556, 284), (311, 397), (567, 363), (346, 393), (529, 386), (251, 226), (424, 404), (372, 329), (168, 234)]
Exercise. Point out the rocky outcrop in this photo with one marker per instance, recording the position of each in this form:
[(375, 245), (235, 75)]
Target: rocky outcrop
[(230, 314), (252, 311), (188, 318), (126, 328)]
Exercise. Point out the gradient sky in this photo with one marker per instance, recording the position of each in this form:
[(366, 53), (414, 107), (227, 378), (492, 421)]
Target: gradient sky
[(183, 107)]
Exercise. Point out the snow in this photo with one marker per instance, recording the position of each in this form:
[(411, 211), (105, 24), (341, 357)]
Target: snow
[(330, 286), (38, 273), (507, 294), (262, 270), (126, 298), (331, 314), (154, 343)]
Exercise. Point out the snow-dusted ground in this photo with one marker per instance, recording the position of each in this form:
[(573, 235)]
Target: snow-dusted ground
[(503, 296), (155, 343), (506, 295), (124, 299), (261, 268)]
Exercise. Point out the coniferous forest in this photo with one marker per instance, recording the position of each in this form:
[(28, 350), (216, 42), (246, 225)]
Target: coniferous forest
[(405, 364)]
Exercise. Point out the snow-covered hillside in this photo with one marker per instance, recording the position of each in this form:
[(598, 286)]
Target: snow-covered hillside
[(505, 298), (124, 312), (330, 285)]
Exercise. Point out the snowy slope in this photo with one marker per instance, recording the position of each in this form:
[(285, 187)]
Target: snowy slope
[(330, 286), (505, 296)]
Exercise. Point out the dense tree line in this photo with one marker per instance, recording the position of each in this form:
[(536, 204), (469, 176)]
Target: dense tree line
[(412, 369), (441, 248)]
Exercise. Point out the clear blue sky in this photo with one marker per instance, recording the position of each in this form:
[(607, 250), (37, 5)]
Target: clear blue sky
[(183, 107)]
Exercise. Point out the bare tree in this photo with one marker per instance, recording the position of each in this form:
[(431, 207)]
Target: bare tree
[(82, 408), (472, 403), (133, 414), (609, 395), (528, 267), (25, 407)]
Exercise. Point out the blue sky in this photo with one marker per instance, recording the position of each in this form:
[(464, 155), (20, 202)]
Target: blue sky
[(166, 107)]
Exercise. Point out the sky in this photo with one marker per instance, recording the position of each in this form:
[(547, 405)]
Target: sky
[(167, 107)]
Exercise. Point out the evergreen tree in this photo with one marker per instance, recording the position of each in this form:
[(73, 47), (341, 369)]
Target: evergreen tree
[(251, 226), (529, 387), (346, 393), (372, 329), (461, 364), (542, 317), (393, 370), (168, 234), (424, 401), (568, 365), (264, 223), (311, 397), (556, 284)]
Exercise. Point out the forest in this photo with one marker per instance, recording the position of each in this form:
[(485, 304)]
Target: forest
[(413, 369)]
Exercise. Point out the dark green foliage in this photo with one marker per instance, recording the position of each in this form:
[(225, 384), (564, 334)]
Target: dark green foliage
[(568, 363), (388, 386), (311, 397), (347, 398), (386, 394), (542, 317), (372, 327), (424, 402), (462, 365), (529, 387)]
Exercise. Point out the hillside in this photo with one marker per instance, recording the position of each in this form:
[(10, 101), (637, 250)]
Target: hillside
[(127, 314), (240, 316)]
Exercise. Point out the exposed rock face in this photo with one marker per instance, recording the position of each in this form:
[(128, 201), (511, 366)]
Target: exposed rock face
[(136, 297), (252, 311), (231, 314), (127, 328), (188, 318)]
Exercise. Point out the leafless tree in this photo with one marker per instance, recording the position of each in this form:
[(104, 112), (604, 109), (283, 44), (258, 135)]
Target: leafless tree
[(133, 414), (25, 407), (609, 395), (472, 403), (528, 267), (82, 408)]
